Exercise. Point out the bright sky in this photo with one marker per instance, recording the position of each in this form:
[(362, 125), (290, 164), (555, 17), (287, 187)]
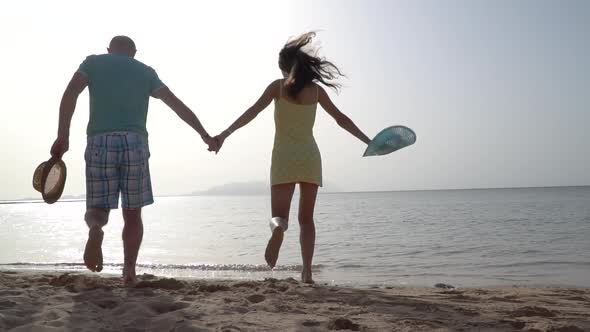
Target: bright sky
[(497, 91)]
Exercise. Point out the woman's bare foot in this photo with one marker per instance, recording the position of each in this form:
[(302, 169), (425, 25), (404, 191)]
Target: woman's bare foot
[(129, 277), (271, 254), (306, 277), (93, 250)]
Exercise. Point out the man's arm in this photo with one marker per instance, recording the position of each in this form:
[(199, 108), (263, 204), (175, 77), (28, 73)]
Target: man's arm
[(66, 110), (183, 112)]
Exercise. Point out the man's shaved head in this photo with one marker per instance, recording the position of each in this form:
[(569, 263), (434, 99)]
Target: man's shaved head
[(122, 45)]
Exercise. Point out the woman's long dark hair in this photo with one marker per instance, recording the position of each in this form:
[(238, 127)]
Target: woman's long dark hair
[(304, 68)]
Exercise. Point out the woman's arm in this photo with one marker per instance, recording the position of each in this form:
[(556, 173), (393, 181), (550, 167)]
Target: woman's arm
[(342, 120), (265, 99)]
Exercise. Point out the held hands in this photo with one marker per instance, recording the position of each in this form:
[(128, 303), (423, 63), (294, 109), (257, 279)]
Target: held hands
[(215, 143), (211, 143), (220, 139)]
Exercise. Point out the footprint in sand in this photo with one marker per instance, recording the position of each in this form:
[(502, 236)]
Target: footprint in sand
[(343, 324), (519, 325), (164, 283), (280, 287), (164, 307), (256, 298), (106, 303), (212, 288), (51, 315), (444, 286)]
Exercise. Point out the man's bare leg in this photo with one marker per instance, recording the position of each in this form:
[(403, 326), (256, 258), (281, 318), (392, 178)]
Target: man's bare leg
[(95, 218), (132, 236)]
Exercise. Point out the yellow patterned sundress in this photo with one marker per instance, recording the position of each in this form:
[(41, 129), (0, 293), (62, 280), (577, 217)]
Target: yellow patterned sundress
[(295, 155)]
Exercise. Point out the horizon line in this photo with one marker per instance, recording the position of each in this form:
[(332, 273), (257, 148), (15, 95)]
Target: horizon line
[(77, 198)]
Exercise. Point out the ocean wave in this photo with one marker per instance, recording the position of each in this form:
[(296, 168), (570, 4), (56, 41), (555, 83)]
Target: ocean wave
[(192, 267)]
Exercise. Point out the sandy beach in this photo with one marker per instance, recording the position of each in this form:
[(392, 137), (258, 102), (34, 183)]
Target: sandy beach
[(39, 301)]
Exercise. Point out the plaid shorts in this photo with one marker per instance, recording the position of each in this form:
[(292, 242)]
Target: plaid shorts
[(118, 163)]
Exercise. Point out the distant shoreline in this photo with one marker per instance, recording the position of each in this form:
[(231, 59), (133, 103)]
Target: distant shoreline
[(204, 193)]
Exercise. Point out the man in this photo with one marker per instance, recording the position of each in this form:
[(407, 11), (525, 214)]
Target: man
[(117, 151)]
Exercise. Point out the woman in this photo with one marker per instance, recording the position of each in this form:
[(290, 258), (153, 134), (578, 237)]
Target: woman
[(295, 156)]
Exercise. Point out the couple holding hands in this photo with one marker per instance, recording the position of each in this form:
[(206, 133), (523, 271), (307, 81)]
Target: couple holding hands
[(117, 150)]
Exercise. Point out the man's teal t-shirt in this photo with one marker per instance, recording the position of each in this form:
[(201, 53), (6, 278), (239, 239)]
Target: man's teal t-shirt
[(120, 88)]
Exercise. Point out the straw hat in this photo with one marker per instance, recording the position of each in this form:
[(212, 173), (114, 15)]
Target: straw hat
[(50, 178)]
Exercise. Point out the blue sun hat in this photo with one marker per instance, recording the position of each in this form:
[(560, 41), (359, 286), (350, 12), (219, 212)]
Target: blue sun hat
[(390, 139)]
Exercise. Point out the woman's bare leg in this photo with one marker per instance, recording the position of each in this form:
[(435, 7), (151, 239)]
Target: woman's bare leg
[(307, 233), (280, 196)]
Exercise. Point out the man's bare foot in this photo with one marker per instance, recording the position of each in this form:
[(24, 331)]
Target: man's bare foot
[(271, 254), (129, 277), (306, 277), (93, 250)]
